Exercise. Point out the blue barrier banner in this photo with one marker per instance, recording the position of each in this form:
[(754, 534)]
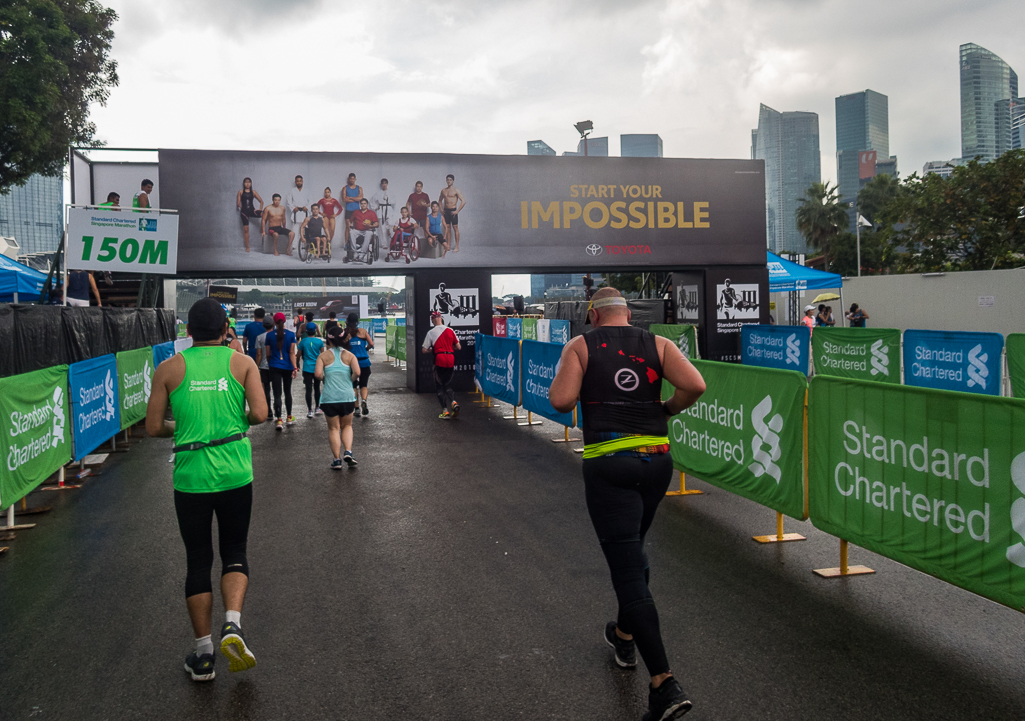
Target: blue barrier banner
[(540, 362), (559, 331), (364, 323), (500, 368), (514, 328), (162, 351), (400, 321), (478, 361), (380, 326), (94, 402), (953, 360), (775, 346)]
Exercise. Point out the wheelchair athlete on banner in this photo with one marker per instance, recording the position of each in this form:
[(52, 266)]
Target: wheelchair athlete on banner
[(315, 242), (404, 243), (363, 244)]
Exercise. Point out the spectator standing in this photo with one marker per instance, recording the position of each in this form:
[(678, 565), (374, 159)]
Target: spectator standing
[(857, 316)]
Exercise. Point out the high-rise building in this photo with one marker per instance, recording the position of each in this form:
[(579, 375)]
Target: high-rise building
[(33, 214), (986, 80), (596, 147), (640, 146), (539, 147), (942, 168), (862, 143), (789, 145)]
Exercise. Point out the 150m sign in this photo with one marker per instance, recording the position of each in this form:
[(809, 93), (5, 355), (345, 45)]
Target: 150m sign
[(122, 240)]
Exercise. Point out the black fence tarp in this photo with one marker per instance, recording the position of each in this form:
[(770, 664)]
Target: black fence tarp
[(642, 313), (40, 336)]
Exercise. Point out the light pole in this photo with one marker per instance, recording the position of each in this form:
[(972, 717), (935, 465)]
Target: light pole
[(584, 127)]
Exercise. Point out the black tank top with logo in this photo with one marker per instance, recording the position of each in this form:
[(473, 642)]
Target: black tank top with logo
[(247, 202), (621, 393), (315, 227)]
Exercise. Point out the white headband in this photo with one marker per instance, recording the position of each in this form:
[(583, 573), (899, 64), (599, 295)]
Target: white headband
[(606, 302)]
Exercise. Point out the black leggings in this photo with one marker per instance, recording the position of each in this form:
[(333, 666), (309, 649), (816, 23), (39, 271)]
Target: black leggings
[(443, 382), (195, 513), (312, 384), (265, 380), (279, 377), (623, 493)]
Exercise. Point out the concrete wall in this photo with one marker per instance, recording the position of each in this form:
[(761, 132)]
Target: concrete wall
[(946, 301)]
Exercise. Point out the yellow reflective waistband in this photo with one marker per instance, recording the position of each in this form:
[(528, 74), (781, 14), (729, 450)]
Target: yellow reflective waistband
[(593, 450)]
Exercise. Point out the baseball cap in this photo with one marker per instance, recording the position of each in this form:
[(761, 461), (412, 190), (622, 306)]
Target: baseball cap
[(352, 318), (279, 317), (311, 327), (808, 307), (436, 314)]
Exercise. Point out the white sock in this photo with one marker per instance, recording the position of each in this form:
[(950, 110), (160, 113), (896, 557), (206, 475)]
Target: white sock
[(204, 645), (234, 617)]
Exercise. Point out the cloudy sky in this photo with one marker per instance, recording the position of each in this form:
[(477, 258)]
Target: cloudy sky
[(485, 77)]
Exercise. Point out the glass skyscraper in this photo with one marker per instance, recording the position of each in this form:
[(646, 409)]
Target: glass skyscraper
[(789, 145), (987, 83), (539, 147), (862, 123), (640, 146), (33, 214)]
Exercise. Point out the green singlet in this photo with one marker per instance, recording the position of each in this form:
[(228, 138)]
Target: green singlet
[(208, 405)]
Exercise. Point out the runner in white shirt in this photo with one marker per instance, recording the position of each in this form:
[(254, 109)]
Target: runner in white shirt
[(298, 206)]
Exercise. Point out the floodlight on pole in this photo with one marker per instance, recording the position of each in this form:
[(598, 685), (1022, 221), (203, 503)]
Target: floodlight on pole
[(584, 127)]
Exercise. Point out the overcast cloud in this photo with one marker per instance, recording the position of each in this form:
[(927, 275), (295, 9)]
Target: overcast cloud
[(468, 77)]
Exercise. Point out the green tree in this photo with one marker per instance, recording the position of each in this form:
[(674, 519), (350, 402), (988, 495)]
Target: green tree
[(821, 217), (625, 283), (53, 63)]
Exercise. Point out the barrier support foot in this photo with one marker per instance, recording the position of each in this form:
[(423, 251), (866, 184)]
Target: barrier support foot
[(565, 438), (780, 537), (530, 421), (11, 526), (844, 569), (683, 488), (26, 511), (513, 417), (61, 486)]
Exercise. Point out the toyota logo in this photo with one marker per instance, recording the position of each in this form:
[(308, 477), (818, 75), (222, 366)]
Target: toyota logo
[(627, 380), (595, 249)]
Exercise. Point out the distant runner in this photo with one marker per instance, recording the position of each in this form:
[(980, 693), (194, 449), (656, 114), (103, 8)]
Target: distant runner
[(340, 371), (252, 331), (207, 386), (310, 348), (261, 362), (280, 345), (616, 372), (359, 342), (443, 342)]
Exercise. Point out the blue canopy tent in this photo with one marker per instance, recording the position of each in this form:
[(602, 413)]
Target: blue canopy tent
[(786, 276), (20, 279)]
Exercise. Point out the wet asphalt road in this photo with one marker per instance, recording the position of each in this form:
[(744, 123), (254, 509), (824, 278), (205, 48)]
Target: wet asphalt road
[(455, 575)]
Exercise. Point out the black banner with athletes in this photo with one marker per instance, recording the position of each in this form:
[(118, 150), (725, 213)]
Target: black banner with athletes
[(255, 211)]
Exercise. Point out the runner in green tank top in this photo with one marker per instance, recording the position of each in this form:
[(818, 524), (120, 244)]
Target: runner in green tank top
[(207, 387)]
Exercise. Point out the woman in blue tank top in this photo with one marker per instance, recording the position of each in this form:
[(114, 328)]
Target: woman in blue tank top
[(339, 370), (359, 342)]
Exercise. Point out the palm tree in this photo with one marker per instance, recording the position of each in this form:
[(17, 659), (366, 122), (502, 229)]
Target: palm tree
[(821, 217)]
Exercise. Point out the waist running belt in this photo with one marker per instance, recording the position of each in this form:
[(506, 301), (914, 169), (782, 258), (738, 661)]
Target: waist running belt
[(207, 444)]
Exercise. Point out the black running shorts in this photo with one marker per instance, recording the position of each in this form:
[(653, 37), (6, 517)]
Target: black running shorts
[(451, 216), (333, 410)]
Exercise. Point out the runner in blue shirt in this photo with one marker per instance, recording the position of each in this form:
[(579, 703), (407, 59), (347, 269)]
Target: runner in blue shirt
[(309, 348), (359, 342), (251, 332), (280, 346)]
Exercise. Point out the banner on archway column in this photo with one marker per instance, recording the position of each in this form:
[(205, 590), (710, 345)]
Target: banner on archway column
[(1016, 363), (932, 479)]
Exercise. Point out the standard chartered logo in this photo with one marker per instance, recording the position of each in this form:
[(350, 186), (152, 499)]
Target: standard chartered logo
[(222, 384), (793, 350), (880, 358), (684, 345), (59, 420), (1016, 553), (108, 397), (977, 370), (147, 380), (765, 434), (510, 384)]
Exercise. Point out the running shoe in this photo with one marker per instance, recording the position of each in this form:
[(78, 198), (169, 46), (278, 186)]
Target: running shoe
[(309, 414), (318, 412), (455, 409), (279, 425), (626, 651), (445, 415), (366, 411), (201, 667), (290, 421), (337, 464), (233, 646), (355, 411), (349, 459), (666, 702)]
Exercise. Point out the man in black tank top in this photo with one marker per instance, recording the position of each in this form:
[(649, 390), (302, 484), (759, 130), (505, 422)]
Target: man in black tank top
[(313, 229), (616, 372)]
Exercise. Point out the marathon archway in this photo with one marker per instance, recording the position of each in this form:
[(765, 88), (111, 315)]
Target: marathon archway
[(702, 219)]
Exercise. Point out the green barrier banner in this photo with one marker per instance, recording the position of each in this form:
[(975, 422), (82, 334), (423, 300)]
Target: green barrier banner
[(36, 440), (686, 339), (134, 380), (400, 344), (870, 354), (746, 434), (930, 478), (530, 329), (389, 340), (1016, 363)]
